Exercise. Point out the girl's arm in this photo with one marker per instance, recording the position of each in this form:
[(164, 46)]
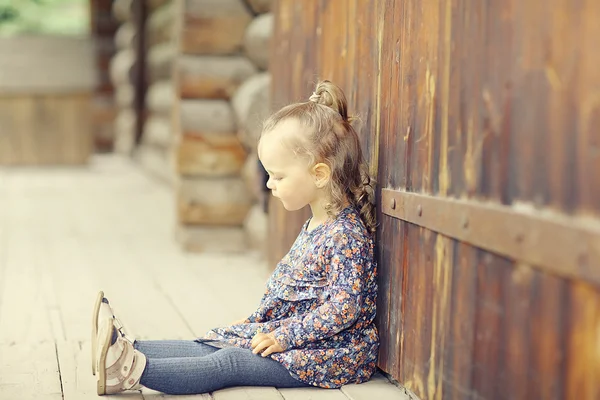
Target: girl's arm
[(346, 271)]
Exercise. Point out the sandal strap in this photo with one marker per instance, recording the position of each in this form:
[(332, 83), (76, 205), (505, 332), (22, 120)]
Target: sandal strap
[(121, 367), (121, 329), (130, 381)]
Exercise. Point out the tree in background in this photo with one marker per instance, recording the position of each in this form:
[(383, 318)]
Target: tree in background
[(51, 17)]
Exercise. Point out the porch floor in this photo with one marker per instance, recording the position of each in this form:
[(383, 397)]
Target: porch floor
[(66, 233)]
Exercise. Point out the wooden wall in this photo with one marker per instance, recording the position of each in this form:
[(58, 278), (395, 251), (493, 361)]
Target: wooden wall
[(46, 88), (492, 102), (45, 129)]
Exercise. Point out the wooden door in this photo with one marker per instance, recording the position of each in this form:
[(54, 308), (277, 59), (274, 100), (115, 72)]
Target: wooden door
[(481, 120)]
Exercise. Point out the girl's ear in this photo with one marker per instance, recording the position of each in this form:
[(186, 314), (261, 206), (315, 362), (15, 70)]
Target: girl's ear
[(321, 174)]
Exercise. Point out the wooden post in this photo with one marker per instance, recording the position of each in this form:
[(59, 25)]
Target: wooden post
[(139, 11)]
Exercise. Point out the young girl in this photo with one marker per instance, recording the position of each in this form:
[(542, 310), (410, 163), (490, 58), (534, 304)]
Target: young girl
[(315, 323)]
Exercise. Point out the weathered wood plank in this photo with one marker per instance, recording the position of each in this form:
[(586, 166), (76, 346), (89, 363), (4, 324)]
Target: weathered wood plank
[(459, 354), (489, 319), (582, 369), (45, 129), (76, 376), (29, 371), (312, 394), (148, 394), (378, 387), (547, 338), (247, 393), (24, 316)]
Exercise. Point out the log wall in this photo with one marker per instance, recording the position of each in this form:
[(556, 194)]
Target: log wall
[(222, 51)]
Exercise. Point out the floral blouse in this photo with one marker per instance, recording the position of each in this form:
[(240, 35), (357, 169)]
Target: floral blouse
[(320, 306)]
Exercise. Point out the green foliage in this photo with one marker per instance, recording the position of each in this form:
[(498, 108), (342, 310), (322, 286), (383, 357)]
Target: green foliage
[(56, 17)]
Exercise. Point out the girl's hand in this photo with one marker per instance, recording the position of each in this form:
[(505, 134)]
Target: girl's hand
[(266, 344), (240, 321)]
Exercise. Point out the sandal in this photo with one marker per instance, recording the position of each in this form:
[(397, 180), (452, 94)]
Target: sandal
[(102, 310), (120, 366)]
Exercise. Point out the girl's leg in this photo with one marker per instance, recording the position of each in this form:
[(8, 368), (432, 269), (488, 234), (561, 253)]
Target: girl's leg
[(223, 368), (173, 348)]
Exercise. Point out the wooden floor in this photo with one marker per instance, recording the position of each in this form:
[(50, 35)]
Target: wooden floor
[(67, 233)]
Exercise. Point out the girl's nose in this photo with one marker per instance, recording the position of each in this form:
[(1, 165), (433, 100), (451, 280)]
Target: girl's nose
[(270, 183)]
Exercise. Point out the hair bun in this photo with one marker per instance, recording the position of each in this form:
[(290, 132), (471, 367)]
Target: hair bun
[(330, 95)]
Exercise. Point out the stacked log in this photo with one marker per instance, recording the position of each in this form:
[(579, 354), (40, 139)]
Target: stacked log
[(155, 148), (252, 105), (103, 27), (217, 55), (122, 70)]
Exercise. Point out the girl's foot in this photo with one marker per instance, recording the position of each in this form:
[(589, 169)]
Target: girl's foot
[(102, 311), (120, 366)]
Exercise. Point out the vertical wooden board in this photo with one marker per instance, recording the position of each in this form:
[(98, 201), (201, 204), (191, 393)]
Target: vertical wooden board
[(25, 118), (42, 133), (515, 335), (385, 92), (433, 144), (76, 129), (471, 111), (405, 130), (330, 44), (528, 109), (547, 337), (394, 259), (460, 42), (394, 113), (587, 87), (459, 354), (297, 87), (489, 318), (384, 272), (29, 371), (365, 100), (281, 65), (495, 96), (582, 368), (9, 144), (418, 310), (414, 96), (394, 275), (441, 333), (309, 50), (412, 330), (557, 142)]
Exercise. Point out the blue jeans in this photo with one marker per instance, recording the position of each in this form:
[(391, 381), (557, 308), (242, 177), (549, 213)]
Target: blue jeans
[(188, 367)]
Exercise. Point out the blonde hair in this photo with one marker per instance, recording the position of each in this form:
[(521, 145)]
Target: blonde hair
[(331, 139)]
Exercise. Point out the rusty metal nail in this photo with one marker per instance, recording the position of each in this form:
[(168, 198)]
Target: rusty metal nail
[(419, 210), (465, 222), (393, 203)]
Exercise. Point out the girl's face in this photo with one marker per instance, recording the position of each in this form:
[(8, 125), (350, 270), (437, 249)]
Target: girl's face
[(290, 179)]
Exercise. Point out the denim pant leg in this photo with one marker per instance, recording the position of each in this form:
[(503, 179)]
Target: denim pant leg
[(173, 348), (221, 369)]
